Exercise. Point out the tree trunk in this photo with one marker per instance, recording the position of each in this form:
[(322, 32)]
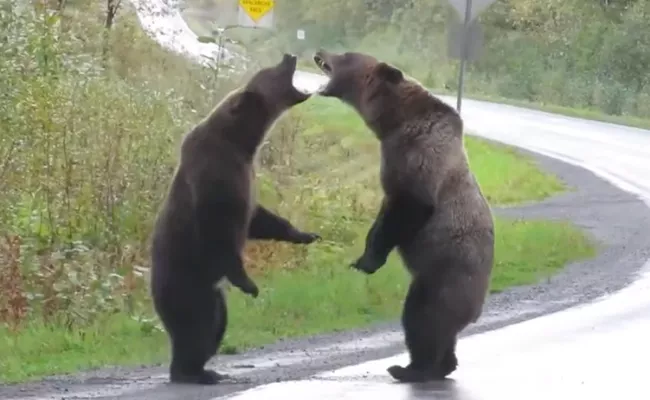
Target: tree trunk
[(111, 10), (112, 6)]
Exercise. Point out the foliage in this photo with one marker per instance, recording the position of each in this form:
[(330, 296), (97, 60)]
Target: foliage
[(587, 54), (87, 148)]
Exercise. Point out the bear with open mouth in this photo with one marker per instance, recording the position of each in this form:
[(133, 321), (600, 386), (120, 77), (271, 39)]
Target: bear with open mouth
[(433, 211), (209, 213)]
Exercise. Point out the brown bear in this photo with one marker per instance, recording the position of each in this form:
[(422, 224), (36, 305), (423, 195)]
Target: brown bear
[(433, 210), (208, 215)]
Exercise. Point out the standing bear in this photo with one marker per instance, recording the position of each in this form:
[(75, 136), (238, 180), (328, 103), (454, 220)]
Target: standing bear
[(208, 215), (433, 210)]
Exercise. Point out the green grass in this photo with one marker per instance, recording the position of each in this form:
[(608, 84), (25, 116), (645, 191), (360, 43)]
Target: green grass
[(502, 184), (505, 176), (319, 293), (323, 296)]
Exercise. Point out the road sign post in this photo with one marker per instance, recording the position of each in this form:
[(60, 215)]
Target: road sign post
[(219, 34), (457, 34), (469, 34), (463, 54)]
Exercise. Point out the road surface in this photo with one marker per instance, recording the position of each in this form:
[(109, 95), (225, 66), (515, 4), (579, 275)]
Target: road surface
[(587, 351)]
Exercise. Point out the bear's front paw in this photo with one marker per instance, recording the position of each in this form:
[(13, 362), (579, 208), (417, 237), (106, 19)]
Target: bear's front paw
[(249, 287), (252, 290), (306, 237), (367, 264)]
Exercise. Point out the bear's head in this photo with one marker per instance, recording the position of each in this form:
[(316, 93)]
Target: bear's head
[(372, 87), (274, 86), (355, 77)]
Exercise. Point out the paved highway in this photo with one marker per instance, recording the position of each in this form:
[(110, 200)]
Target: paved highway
[(596, 350)]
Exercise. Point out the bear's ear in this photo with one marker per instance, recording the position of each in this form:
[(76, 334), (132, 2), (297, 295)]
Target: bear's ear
[(247, 100), (388, 73)]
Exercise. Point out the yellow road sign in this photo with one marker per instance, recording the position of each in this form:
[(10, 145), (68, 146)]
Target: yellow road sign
[(256, 9)]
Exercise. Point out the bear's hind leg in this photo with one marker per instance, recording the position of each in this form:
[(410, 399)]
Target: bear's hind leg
[(188, 367), (430, 345), (222, 318), (449, 360), (418, 343), (222, 323), (195, 340)]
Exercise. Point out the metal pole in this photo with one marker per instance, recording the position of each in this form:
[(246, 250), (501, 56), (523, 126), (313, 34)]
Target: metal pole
[(220, 44), (463, 55)]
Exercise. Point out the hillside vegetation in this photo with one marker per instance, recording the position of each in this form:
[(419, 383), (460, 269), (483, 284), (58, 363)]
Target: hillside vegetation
[(585, 54)]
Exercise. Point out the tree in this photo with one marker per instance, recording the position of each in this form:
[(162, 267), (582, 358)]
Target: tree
[(112, 6)]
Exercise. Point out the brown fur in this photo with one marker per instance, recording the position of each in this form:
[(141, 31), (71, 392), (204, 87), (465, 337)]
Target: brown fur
[(208, 215), (433, 211)]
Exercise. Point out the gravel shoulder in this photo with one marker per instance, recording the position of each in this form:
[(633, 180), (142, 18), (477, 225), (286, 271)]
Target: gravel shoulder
[(618, 221)]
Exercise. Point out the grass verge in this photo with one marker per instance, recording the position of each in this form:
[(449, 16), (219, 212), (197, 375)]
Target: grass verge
[(583, 113), (294, 280)]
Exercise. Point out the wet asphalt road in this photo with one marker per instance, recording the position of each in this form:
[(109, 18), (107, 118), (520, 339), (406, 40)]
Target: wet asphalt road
[(587, 351)]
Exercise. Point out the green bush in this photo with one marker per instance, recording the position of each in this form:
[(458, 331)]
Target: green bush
[(576, 53), (87, 148)]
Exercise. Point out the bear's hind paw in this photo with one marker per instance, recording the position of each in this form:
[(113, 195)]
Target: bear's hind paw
[(411, 375), (205, 377)]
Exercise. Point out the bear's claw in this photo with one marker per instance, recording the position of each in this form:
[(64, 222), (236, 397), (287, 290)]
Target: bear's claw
[(307, 237), (249, 287)]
